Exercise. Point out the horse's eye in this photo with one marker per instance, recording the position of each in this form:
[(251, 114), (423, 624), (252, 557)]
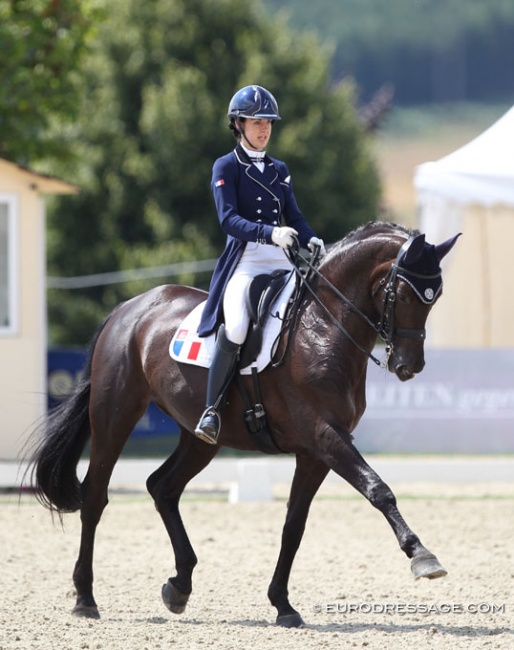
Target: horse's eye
[(403, 297)]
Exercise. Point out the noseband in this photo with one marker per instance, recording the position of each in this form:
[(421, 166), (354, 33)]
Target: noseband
[(386, 328)]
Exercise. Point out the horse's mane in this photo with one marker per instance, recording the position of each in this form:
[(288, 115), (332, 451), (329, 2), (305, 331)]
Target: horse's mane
[(371, 229), (375, 227)]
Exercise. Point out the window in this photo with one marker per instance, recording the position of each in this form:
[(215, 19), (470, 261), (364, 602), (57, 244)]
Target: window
[(8, 233)]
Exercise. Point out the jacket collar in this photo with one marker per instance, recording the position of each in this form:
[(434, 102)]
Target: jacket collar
[(245, 159)]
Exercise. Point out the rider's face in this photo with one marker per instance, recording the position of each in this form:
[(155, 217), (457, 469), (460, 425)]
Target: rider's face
[(258, 133)]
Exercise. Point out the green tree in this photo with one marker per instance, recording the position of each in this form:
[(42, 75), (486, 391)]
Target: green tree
[(42, 43), (152, 122)]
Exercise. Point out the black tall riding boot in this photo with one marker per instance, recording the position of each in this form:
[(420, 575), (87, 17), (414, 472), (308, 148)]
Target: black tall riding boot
[(220, 373)]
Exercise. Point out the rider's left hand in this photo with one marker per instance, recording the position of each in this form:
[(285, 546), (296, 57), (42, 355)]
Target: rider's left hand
[(315, 241)]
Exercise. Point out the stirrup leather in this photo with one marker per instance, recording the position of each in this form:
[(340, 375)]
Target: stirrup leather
[(208, 428)]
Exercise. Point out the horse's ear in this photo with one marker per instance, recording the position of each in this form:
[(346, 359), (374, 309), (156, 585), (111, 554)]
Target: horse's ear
[(415, 250), (443, 249)]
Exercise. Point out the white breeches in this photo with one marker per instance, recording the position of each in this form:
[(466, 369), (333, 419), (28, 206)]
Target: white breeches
[(256, 259)]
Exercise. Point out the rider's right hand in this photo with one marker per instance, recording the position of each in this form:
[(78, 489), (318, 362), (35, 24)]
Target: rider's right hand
[(283, 236)]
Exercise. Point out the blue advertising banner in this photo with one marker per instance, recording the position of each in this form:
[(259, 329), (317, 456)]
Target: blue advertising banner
[(64, 370), (462, 402)]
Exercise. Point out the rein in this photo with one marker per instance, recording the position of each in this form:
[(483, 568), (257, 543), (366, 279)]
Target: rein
[(306, 282), (385, 328)]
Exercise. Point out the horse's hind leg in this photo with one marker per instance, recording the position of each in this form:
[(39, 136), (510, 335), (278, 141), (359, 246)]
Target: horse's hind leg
[(309, 475), (110, 428), (166, 486), (94, 490), (346, 461)]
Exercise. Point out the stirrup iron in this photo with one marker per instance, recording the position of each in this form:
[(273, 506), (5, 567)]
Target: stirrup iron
[(208, 428)]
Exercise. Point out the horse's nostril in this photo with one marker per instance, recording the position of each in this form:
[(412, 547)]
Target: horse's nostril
[(404, 372)]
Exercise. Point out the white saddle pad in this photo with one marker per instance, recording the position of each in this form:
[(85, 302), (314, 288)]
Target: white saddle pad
[(187, 347)]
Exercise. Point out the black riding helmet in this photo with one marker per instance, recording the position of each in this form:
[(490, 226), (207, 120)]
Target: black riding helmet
[(251, 102), (254, 102)]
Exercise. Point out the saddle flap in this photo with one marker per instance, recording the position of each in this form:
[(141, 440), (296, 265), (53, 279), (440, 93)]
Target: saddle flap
[(261, 293), (254, 294)]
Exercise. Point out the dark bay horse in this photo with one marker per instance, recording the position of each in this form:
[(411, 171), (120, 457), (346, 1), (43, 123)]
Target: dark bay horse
[(381, 278)]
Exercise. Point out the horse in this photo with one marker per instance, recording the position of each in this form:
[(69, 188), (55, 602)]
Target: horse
[(381, 279)]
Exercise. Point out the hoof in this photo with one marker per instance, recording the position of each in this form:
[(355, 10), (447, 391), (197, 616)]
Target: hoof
[(86, 611), (290, 620), (174, 600), (427, 566)]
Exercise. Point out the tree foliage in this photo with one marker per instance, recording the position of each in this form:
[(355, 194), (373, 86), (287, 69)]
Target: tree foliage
[(152, 122), (42, 43)]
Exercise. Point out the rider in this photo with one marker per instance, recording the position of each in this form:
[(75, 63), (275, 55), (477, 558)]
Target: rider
[(253, 193)]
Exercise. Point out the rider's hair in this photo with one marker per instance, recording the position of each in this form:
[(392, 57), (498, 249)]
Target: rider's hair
[(233, 127)]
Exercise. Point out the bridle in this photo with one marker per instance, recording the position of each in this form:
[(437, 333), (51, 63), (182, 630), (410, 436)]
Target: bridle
[(389, 283), (385, 328)]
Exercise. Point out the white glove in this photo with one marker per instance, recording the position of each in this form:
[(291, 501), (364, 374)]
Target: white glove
[(283, 236), (315, 241)]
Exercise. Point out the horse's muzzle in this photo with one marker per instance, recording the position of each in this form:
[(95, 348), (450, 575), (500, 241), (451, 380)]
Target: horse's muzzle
[(405, 370)]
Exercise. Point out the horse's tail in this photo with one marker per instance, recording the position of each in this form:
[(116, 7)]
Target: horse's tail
[(61, 439)]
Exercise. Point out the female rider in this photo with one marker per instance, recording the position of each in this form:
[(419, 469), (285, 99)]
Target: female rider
[(254, 195)]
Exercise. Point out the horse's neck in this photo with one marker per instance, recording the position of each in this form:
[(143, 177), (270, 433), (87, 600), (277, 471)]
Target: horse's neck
[(350, 273)]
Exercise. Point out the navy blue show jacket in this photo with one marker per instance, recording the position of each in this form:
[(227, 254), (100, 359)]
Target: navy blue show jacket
[(250, 203)]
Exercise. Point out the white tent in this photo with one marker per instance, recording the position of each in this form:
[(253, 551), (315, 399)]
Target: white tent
[(472, 191)]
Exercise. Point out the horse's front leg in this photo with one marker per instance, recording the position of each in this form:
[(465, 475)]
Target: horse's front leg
[(341, 455), (309, 475)]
